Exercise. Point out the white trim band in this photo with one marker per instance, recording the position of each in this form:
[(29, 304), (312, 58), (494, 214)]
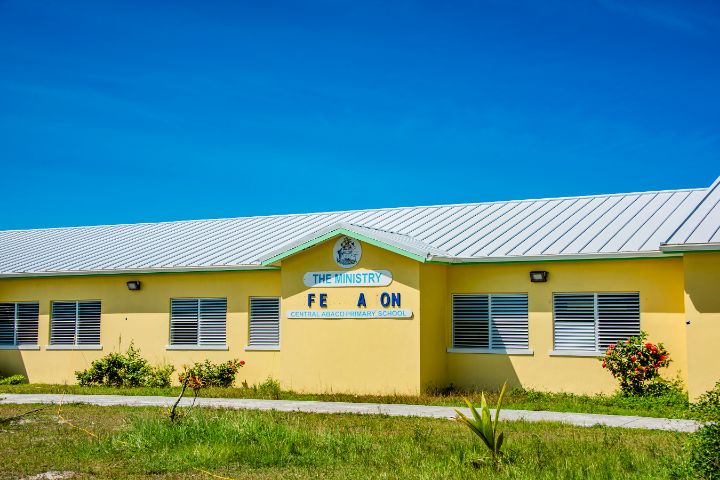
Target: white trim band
[(196, 347), (19, 347), (493, 351), (262, 348), (73, 347), (574, 353)]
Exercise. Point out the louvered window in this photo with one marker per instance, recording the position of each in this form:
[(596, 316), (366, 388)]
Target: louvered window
[(75, 323), (498, 321), (590, 322), (19, 323), (264, 321), (198, 321)]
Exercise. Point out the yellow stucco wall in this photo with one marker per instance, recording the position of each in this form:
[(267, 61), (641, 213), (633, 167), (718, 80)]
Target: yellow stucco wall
[(660, 283), (702, 304), (350, 355), (387, 355), (433, 318), (142, 317)]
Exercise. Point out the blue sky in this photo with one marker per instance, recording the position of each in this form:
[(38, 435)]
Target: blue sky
[(117, 112)]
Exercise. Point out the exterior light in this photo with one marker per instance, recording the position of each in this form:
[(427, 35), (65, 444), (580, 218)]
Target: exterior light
[(538, 276), (133, 285)]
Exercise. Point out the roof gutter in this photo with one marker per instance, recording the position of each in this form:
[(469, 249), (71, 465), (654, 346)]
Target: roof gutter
[(690, 247)]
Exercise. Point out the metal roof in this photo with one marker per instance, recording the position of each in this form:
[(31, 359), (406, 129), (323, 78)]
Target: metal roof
[(701, 229), (617, 225)]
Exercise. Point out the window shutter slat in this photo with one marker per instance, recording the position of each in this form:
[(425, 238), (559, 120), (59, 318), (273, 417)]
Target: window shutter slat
[(471, 321), (574, 321), (212, 329), (198, 321), (62, 323), (618, 317), (509, 320), (591, 322), (184, 321), (27, 323), (88, 323), (264, 321), (7, 323)]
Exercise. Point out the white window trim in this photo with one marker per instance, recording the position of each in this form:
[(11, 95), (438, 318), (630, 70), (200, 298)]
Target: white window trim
[(574, 353), (493, 351), (26, 346), (249, 347), (196, 347), (73, 347), (262, 348), (587, 353)]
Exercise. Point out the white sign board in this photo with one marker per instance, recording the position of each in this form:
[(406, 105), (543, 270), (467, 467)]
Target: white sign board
[(357, 313), (356, 278)]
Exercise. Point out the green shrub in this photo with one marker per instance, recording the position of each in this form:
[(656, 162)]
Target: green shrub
[(208, 374), (636, 364), (12, 380), (707, 406), (703, 448), (125, 370), (271, 388)]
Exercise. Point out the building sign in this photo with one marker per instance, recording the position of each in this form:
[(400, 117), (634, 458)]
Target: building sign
[(378, 313), (347, 252), (356, 278)]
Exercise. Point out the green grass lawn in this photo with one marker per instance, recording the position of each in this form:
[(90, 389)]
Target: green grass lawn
[(673, 406), (124, 442)]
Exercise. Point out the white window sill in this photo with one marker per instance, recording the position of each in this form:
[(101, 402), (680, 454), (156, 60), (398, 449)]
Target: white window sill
[(19, 347), (73, 347), (574, 353), (196, 347), (493, 351), (262, 348)]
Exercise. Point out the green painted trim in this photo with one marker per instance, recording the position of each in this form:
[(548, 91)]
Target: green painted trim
[(505, 262), (131, 274), (338, 232), (698, 250)]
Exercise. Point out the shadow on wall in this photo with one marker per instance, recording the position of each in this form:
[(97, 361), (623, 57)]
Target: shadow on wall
[(12, 363), (483, 371)]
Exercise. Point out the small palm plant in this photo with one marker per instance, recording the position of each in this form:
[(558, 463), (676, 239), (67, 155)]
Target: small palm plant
[(483, 426)]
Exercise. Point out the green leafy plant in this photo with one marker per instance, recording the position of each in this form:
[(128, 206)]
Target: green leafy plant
[(703, 452), (636, 364), (209, 374), (483, 426), (271, 388), (125, 370), (707, 406), (12, 380)]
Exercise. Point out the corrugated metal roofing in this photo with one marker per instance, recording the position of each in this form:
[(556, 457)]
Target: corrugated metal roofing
[(617, 225), (701, 229)]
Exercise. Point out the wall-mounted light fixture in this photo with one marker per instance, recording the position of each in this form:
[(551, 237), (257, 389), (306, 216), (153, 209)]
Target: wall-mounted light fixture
[(133, 285), (538, 276)]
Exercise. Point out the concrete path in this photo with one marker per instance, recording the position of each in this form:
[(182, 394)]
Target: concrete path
[(579, 419)]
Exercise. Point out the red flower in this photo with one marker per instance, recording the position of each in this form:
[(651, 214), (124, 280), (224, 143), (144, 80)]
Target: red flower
[(612, 345), (633, 358), (662, 357), (242, 362), (603, 364), (649, 345)]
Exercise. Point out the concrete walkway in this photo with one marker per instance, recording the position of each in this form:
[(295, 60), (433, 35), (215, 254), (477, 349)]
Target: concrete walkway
[(395, 410)]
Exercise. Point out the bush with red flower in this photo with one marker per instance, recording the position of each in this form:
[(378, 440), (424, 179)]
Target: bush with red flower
[(636, 363)]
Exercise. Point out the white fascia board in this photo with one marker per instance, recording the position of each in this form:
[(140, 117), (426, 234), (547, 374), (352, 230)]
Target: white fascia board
[(552, 258), (689, 247), (139, 271)]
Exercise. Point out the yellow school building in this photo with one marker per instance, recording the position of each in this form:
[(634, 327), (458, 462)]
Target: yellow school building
[(393, 300)]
